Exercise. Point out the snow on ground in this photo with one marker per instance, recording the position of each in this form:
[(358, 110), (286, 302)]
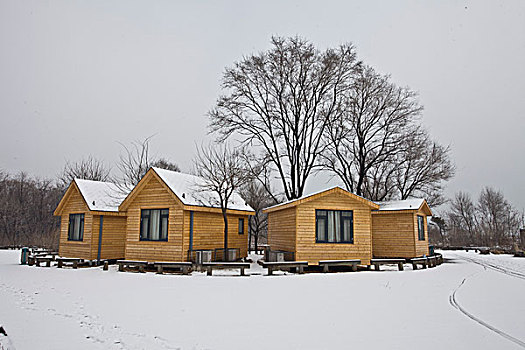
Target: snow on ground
[(88, 308)]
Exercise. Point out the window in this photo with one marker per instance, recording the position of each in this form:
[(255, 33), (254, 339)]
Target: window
[(334, 226), (241, 226), (420, 228), (154, 224), (76, 227)]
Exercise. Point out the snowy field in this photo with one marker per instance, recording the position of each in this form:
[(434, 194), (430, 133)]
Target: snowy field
[(471, 301)]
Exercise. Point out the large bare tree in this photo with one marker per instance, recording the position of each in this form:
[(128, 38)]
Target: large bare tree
[(223, 172), (281, 102), (370, 132), (422, 167)]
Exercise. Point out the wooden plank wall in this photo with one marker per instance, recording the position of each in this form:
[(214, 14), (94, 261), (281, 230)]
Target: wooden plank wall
[(421, 246), (75, 249), (155, 195), (281, 229), (208, 232), (113, 237), (309, 250), (393, 234)]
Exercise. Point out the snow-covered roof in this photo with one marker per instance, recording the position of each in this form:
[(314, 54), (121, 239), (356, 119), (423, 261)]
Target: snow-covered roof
[(405, 204), (188, 188), (313, 194), (100, 195)]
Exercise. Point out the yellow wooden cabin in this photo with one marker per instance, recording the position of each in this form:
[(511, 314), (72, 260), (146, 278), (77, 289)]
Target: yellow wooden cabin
[(171, 218), (91, 227), (399, 229), (333, 224)]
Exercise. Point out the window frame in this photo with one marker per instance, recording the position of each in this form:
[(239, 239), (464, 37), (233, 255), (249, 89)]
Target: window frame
[(342, 220), (71, 227), (420, 228), (146, 237), (240, 226)]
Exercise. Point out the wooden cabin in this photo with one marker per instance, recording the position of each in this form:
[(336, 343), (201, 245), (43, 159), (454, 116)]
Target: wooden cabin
[(333, 224), (170, 218), (399, 229), (91, 227)]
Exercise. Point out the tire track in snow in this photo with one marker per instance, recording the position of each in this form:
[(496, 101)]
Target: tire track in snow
[(494, 267), (453, 301)]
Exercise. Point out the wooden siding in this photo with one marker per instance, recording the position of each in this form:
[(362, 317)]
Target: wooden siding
[(113, 237), (282, 229), (421, 246), (208, 232), (393, 234), (319, 195), (306, 247), (75, 249), (154, 195)]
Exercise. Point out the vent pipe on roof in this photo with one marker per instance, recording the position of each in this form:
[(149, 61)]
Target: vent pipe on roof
[(184, 195), (93, 202)]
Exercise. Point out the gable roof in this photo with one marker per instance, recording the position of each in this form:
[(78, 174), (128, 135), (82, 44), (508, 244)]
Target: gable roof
[(98, 195), (188, 189), (318, 194), (405, 204)]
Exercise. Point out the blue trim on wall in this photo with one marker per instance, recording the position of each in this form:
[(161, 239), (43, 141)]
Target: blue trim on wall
[(191, 230)]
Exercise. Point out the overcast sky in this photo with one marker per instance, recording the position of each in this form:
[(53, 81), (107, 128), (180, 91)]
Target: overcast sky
[(77, 77)]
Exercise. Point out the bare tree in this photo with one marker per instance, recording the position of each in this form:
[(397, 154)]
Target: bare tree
[(223, 172), (463, 218), (498, 221), (422, 167), (258, 198), (165, 164), (89, 168), (492, 221), (370, 132), (133, 163), (281, 101)]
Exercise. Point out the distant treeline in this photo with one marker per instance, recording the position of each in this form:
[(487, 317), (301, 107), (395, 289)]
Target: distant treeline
[(489, 221), (27, 202), (26, 210)]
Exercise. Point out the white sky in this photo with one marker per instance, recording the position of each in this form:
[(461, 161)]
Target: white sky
[(76, 77)]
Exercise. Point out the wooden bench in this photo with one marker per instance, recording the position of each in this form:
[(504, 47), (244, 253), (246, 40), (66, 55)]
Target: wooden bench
[(419, 261), (283, 265), (183, 266), (225, 265), (41, 259), (73, 262), (122, 264), (30, 260), (379, 262), (327, 263), (432, 261)]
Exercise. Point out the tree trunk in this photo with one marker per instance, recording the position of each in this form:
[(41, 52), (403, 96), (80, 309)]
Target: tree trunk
[(225, 217), (249, 233)]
